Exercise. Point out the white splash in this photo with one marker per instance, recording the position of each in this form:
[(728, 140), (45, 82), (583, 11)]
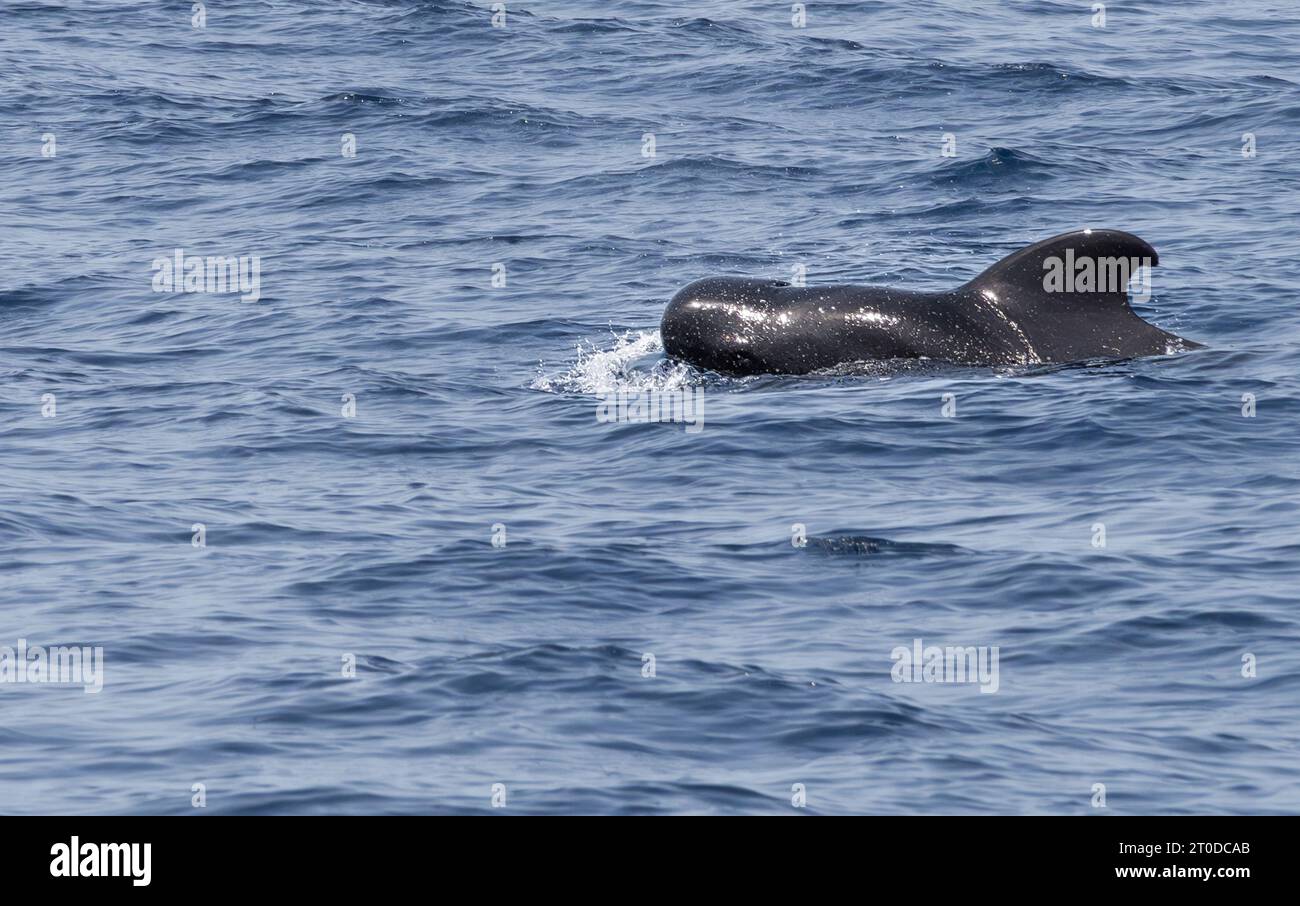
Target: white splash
[(599, 371)]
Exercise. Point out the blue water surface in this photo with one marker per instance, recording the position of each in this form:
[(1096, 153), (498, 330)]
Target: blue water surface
[(1158, 673)]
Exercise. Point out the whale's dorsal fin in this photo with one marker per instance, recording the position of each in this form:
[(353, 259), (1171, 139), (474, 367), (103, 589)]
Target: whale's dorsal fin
[(1069, 296), (1020, 271)]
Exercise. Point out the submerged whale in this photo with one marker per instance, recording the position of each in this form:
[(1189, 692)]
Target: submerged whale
[(1064, 299)]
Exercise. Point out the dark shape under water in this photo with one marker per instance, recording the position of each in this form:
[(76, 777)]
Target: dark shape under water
[(1064, 299), (866, 546)]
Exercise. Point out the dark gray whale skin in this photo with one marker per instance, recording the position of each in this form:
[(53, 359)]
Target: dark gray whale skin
[(1004, 316)]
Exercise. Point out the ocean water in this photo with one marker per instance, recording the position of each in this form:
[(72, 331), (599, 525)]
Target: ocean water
[(344, 446)]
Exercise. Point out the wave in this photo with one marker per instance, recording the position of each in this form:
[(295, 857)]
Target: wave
[(1000, 166), (620, 368)]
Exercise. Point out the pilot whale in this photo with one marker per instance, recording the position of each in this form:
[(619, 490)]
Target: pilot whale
[(1064, 299)]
